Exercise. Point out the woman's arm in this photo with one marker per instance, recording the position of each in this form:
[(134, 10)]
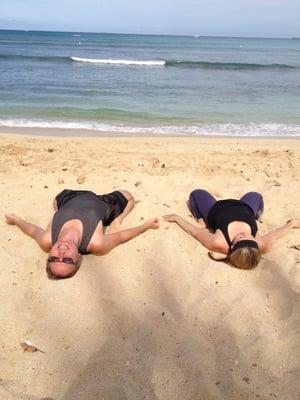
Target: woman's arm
[(206, 238), (266, 241), (109, 241), (31, 230)]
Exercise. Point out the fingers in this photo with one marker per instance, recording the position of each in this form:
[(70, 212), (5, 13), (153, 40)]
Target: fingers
[(153, 223), (294, 222), (10, 219), (169, 217)]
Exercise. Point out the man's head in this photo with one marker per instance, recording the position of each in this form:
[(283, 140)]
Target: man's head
[(64, 260)]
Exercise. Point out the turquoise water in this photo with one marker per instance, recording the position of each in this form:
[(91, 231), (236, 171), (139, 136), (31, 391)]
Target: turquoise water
[(150, 84)]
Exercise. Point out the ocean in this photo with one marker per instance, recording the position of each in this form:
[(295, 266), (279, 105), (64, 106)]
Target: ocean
[(99, 83)]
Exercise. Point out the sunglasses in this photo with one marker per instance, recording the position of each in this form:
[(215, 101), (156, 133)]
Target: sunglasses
[(66, 260)]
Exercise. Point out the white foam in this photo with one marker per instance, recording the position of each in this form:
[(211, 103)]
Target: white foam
[(118, 62), (237, 130)]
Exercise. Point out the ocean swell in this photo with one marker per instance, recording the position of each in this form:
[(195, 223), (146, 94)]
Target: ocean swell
[(226, 65), (119, 62), (152, 63)]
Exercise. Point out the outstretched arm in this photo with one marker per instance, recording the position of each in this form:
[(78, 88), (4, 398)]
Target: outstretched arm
[(112, 240), (31, 230), (206, 238), (266, 241)]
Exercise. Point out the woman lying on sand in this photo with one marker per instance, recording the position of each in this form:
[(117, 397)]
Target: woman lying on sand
[(230, 227), (78, 227)]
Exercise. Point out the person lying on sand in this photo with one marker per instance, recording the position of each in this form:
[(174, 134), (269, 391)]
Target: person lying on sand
[(230, 227), (78, 227)]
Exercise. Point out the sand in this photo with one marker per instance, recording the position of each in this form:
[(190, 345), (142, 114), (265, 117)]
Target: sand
[(156, 318)]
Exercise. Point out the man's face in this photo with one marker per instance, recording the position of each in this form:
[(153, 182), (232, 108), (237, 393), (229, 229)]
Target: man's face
[(63, 258)]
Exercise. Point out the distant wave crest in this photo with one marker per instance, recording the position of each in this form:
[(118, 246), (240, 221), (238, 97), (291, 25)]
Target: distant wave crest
[(118, 62), (152, 63)]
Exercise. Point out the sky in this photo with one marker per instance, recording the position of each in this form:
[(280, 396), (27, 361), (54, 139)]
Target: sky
[(254, 18)]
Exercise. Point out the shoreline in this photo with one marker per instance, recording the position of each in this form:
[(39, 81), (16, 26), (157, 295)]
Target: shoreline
[(88, 133)]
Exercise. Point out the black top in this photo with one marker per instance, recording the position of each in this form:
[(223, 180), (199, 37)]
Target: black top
[(226, 211), (86, 207)]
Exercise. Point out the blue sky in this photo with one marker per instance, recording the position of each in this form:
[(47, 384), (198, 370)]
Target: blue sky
[(259, 18)]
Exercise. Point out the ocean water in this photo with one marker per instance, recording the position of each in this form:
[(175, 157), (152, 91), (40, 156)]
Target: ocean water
[(148, 84)]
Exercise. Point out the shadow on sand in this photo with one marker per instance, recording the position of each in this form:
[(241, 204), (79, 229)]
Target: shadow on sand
[(164, 348)]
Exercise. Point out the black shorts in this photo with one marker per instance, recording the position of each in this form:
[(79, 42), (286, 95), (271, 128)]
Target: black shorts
[(115, 201)]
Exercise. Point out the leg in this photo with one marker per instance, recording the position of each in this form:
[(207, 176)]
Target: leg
[(255, 201), (115, 225), (200, 203), (65, 196), (129, 207), (55, 204)]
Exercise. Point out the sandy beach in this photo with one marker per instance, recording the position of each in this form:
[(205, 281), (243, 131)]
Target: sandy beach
[(155, 319)]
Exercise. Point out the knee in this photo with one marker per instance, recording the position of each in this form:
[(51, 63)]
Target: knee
[(254, 195), (128, 195), (197, 192), (193, 193)]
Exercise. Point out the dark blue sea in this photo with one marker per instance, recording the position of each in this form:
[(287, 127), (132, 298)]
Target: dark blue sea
[(146, 84)]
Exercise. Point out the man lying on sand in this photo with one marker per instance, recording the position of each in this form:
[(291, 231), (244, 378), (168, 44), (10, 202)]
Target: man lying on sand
[(230, 227), (78, 227)]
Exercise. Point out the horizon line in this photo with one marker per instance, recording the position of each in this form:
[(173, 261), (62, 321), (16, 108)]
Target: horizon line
[(196, 36)]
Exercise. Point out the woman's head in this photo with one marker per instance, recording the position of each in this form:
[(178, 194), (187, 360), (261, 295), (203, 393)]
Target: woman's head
[(244, 254)]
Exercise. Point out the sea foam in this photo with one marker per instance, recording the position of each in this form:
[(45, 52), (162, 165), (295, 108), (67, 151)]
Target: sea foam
[(234, 130), (118, 62)]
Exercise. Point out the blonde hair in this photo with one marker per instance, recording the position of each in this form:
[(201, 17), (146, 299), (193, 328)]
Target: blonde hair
[(244, 257)]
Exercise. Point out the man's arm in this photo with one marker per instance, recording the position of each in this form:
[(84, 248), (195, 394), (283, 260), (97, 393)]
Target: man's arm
[(109, 241), (31, 230), (266, 241), (206, 238)]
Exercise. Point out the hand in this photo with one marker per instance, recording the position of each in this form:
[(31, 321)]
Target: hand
[(295, 222), (153, 223), (170, 217), (11, 219)]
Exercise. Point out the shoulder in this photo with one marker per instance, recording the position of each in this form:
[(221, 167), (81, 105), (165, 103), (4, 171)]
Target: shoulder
[(263, 243), (96, 245), (212, 241), (219, 243), (45, 242)]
